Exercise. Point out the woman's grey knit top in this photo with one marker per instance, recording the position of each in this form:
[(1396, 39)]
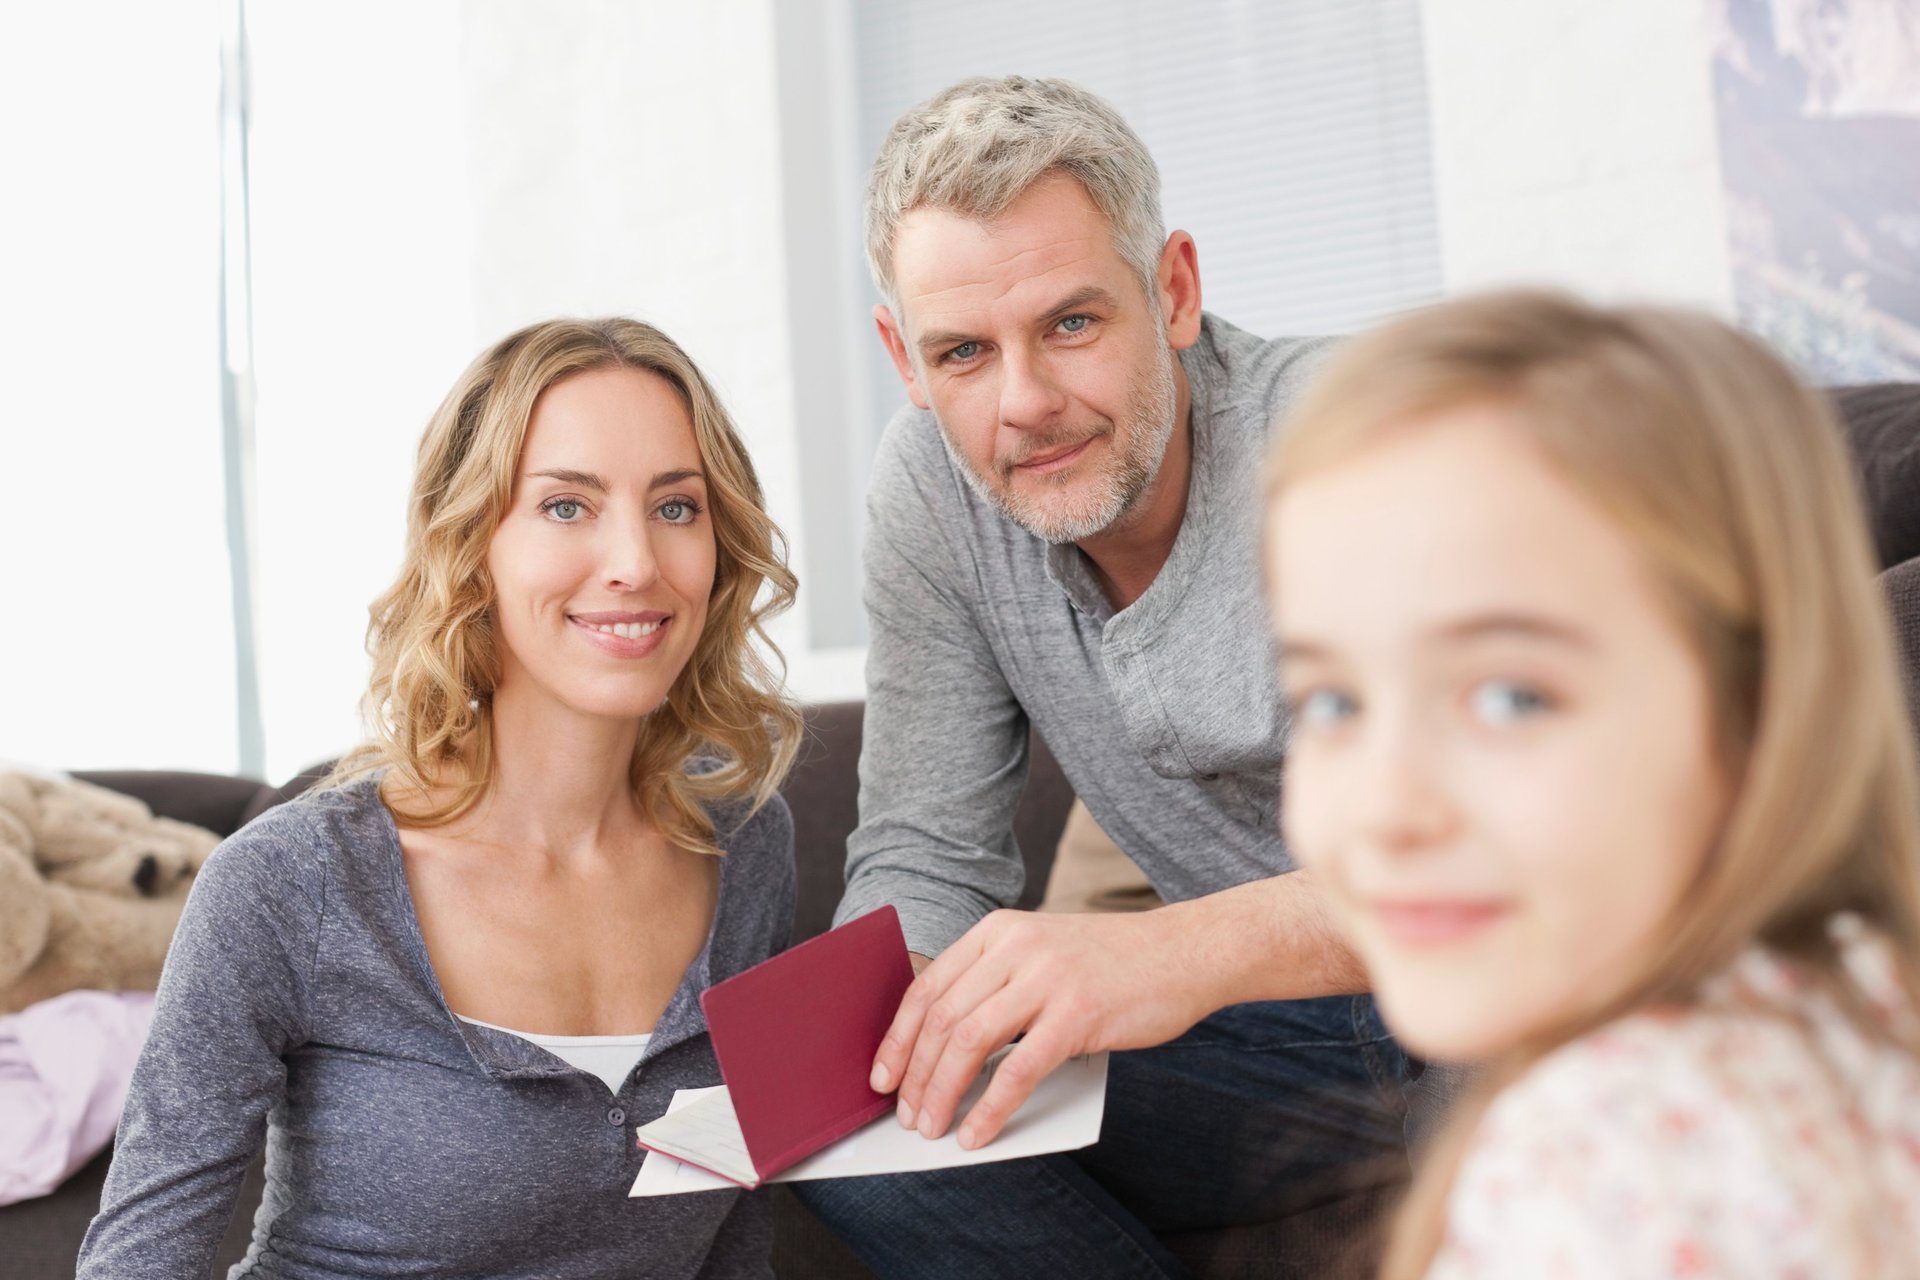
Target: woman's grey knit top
[(298, 1009)]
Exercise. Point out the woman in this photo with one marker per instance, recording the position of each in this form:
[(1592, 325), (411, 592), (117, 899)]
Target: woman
[(1600, 755), (446, 987)]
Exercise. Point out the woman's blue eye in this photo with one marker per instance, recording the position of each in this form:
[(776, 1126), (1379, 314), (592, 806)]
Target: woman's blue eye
[(1505, 701), (1076, 324), (679, 511), (564, 510), (1324, 708)]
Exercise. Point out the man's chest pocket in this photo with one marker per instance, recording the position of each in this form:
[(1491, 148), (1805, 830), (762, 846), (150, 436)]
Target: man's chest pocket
[(1249, 798)]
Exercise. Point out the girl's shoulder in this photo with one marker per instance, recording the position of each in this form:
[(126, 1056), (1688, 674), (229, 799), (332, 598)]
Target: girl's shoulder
[(1741, 1135)]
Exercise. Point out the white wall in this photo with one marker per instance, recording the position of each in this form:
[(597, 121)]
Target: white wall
[(482, 165), (116, 630), (1574, 144)]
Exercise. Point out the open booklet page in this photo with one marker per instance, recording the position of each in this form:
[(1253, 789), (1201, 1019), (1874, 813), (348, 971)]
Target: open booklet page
[(1063, 1114), (700, 1128)]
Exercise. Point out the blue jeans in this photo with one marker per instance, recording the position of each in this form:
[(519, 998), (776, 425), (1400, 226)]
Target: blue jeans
[(1260, 1111)]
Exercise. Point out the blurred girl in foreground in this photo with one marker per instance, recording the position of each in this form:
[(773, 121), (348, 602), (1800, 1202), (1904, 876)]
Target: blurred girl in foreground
[(1600, 752), (445, 988)]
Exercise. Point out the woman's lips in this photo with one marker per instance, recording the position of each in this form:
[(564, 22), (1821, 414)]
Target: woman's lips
[(623, 635), (1437, 922)]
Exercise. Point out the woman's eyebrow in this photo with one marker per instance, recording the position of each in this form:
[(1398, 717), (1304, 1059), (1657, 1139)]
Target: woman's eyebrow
[(565, 475), (675, 477)]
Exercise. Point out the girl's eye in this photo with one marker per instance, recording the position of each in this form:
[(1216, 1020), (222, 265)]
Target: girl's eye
[(1324, 708), (1075, 324), (679, 510), (1499, 702), (565, 510)]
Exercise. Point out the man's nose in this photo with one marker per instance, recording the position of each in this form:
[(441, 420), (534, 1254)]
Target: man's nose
[(1030, 395)]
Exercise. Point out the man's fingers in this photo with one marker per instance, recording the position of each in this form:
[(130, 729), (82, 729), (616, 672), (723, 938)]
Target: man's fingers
[(890, 1063), (974, 1039), (950, 1011), (1014, 1081)]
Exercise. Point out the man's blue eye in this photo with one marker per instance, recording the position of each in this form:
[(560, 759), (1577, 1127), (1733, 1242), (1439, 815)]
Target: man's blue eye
[(965, 351), (1076, 324), (1505, 701)]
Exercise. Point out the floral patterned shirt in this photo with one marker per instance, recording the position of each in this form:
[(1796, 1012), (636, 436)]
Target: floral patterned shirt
[(1757, 1134)]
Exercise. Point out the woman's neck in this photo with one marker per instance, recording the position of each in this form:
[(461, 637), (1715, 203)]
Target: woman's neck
[(561, 781)]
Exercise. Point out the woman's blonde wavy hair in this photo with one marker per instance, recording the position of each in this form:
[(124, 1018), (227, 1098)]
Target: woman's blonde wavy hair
[(1732, 481), (433, 638)]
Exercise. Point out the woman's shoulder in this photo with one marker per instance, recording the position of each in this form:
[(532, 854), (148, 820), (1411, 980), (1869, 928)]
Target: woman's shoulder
[(742, 826), (300, 839)]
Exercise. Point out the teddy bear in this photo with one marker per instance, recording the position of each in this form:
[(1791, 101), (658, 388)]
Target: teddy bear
[(91, 887)]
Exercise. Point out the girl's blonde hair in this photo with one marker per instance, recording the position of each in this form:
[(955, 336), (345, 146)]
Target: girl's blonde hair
[(433, 637), (1733, 483)]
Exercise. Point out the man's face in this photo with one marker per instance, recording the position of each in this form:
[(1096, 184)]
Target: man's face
[(1045, 362)]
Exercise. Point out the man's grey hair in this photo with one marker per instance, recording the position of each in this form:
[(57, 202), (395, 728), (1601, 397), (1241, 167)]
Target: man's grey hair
[(977, 146)]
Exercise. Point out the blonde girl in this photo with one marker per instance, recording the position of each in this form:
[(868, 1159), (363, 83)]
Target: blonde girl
[(1601, 755)]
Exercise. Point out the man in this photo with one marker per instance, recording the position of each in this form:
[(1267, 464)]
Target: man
[(1062, 533)]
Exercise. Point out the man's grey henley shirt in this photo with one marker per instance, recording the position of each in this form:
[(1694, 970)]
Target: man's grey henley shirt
[(1165, 716)]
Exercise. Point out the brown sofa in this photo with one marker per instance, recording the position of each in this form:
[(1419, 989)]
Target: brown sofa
[(39, 1238)]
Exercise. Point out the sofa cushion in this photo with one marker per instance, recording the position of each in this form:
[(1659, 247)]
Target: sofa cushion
[(220, 803), (1902, 583), (1883, 428)]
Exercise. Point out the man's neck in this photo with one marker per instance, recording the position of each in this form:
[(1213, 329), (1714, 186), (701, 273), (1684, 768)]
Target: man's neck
[(1128, 555)]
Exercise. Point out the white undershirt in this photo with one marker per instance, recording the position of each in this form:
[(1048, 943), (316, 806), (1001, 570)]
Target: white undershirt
[(609, 1057)]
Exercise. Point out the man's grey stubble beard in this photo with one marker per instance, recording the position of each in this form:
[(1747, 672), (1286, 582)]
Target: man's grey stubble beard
[(1115, 492)]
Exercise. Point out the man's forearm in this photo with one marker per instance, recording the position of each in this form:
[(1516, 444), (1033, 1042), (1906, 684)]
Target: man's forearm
[(1273, 939)]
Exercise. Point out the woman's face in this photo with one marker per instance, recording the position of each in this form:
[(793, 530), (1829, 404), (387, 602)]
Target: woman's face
[(1501, 768), (604, 561)]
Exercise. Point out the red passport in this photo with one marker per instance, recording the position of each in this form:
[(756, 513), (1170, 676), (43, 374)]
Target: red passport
[(796, 1037)]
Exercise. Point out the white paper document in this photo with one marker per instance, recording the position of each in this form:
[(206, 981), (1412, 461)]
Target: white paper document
[(1063, 1114)]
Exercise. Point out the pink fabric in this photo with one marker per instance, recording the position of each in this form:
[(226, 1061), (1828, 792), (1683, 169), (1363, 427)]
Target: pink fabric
[(64, 1067)]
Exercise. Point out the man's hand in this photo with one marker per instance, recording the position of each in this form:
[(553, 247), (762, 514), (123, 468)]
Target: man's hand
[(1075, 984), (1079, 984)]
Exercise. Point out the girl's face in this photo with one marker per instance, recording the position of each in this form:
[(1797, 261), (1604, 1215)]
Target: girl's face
[(1502, 768)]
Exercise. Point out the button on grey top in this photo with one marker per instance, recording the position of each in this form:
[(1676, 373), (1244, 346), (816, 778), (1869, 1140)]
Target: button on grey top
[(298, 1008), (1165, 716)]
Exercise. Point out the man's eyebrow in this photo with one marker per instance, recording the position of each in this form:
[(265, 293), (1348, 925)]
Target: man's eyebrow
[(1091, 295), (566, 475)]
